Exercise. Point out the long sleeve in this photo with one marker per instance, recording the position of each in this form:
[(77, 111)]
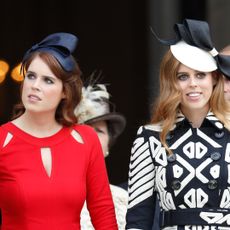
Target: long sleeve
[(99, 198), (141, 182)]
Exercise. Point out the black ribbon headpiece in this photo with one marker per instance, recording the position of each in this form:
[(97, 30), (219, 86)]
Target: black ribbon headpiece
[(196, 33), (60, 45)]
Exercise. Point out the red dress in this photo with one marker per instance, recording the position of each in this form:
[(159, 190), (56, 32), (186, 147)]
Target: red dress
[(30, 199)]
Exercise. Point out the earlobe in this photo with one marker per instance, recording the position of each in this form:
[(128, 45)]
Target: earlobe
[(63, 95)]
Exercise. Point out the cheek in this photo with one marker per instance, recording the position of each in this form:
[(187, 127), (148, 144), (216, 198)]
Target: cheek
[(181, 86), (24, 85), (24, 90), (104, 142), (227, 85), (54, 94), (211, 86)]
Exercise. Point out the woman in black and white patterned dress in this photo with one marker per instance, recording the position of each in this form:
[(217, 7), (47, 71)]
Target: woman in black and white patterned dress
[(183, 155)]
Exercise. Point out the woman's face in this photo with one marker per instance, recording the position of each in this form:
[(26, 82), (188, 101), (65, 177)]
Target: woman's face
[(196, 88), (102, 131), (42, 91)]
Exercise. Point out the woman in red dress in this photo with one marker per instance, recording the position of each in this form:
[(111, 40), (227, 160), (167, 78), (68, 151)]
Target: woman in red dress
[(48, 165)]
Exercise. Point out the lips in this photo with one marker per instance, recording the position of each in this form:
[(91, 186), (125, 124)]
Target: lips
[(193, 96), (33, 97)]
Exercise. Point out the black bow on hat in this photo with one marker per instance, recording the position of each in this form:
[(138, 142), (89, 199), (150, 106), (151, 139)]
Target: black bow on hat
[(196, 33), (60, 45)]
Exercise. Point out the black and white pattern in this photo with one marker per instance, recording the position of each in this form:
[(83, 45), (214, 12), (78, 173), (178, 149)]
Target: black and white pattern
[(195, 177)]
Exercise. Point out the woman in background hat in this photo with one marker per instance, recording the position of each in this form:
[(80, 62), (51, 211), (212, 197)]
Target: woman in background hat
[(183, 156), (94, 110), (49, 165)]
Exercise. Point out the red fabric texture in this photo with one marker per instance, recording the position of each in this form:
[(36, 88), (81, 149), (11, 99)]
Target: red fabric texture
[(31, 200)]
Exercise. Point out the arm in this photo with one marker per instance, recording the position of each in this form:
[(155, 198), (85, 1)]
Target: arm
[(99, 198), (141, 183)]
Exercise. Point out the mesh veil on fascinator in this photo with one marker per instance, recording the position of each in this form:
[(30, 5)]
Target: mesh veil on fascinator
[(95, 106), (193, 47), (60, 45)]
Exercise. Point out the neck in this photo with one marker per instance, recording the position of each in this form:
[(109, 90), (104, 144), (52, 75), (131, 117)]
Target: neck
[(196, 117), (38, 125)]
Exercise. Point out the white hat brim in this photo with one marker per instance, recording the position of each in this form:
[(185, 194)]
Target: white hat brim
[(193, 57)]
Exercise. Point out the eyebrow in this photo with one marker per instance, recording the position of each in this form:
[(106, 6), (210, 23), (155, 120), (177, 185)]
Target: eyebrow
[(42, 75), (182, 72), (196, 71)]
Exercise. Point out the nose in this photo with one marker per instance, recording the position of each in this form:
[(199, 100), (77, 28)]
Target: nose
[(193, 81), (36, 85)]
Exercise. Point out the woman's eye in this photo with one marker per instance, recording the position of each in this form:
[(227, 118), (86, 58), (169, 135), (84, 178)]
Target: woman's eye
[(99, 130), (182, 77), (30, 76), (48, 80)]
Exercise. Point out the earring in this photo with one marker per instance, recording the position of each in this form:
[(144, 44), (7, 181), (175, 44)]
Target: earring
[(106, 153)]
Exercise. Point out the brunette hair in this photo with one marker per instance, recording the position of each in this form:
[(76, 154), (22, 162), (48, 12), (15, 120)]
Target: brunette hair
[(167, 105), (72, 87)]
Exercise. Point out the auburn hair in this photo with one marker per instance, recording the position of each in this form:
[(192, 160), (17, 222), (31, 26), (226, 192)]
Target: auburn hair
[(72, 87)]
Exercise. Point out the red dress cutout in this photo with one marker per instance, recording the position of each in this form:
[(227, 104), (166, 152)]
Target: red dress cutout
[(32, 200)]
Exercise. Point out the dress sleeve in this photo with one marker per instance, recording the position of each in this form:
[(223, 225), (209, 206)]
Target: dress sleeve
[(99, 198), (142, 195)]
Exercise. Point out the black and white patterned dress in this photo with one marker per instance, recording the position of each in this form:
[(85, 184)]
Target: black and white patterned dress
[(192, 184)]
